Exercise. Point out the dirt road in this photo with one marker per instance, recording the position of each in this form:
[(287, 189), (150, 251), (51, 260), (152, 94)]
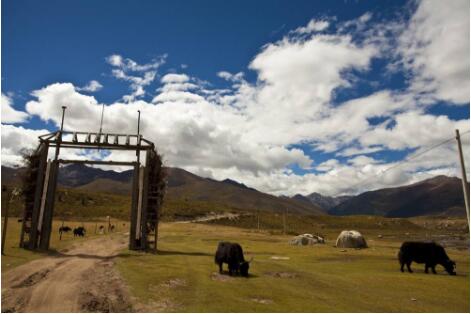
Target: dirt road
[(81, 279)]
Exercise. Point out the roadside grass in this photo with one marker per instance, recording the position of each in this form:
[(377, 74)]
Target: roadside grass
[(184, 278), (15, 256)]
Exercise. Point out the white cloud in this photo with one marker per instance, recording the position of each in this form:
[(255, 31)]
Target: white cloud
[(142, 75), (435, 48), (252, 132), (175, 78), (312, 26), (92, 86), (15, 140), (9, 114)]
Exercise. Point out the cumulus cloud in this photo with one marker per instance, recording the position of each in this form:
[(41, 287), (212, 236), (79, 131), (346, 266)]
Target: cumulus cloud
[(92, 86), (15, 141), (254, 132), (139, 75), (9, 114), (435, 48), (312, 26)]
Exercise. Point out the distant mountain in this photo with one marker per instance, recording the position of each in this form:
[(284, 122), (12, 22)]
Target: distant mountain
[(75, 175), (319, 200), (326, 202), (182, 185), (435, 196)]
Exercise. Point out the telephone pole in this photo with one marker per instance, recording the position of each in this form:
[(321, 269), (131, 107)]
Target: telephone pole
[(463, 175)]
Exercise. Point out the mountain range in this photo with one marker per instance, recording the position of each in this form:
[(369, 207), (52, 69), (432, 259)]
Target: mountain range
[(440, 195), (182, 185)]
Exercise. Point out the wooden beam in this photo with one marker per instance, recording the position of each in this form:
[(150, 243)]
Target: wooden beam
[(98, 162), (67, 144)]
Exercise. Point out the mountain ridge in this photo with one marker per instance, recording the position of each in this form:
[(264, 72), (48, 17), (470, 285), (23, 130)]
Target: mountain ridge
[(182, 185)]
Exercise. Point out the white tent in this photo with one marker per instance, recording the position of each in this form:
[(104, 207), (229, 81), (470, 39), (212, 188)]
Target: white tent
[(351, 239), (306, 239)]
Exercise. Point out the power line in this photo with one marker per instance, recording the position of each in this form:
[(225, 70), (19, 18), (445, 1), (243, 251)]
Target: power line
[(408, 159)]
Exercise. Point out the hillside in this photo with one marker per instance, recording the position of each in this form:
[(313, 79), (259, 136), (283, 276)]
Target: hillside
[(185, 190), (433, 196)]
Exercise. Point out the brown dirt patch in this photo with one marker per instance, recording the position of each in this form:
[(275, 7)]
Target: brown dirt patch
[(221, 277), (282, 274)]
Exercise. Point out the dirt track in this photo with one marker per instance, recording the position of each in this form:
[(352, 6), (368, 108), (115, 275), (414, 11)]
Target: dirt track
[(81, 279)]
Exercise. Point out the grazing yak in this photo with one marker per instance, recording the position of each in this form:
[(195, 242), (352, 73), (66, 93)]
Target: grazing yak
[(79, 232), (428, 253), (232, 254), (64, 229)]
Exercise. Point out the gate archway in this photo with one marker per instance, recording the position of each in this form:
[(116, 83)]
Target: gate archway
[(148, 185)]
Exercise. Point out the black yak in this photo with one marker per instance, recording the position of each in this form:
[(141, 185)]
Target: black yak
[(231, 254), (79, 231), (64, 229), (428, 253)]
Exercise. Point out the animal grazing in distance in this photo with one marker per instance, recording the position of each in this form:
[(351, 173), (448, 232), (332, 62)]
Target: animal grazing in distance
[(79, 232), (428, 253), (112, 228), (232, 254), (64, 229)]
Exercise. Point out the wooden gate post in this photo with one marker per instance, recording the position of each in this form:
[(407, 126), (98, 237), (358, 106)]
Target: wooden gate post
[(33, 232), (134, 198), (46, 226)]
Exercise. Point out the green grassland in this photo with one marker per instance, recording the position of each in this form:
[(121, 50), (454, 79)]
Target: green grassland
[(73, 204), (322, 278), (182, 277), (15, 256)]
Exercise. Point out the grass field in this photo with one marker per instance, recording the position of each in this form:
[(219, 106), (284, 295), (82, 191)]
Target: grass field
[(15, 256), (322, 278), (184, 278)]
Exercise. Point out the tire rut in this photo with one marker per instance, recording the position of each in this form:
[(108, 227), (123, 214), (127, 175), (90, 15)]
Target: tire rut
[(82, 279)]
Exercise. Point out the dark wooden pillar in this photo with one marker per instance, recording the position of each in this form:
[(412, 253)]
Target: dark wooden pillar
[(144, 193), (39, 184), (133, 245), (46, 226)]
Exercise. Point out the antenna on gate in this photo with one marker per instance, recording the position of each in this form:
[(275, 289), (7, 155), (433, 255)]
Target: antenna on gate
[(138, 154), (101, 122)]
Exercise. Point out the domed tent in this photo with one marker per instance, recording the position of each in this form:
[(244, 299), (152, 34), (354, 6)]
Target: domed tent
[(351, 239), (306, 239)]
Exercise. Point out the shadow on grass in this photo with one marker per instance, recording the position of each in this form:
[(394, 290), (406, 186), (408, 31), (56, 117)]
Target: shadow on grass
[(165, 252)]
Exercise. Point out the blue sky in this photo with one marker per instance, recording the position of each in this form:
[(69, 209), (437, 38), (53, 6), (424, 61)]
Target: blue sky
[(284, 96)]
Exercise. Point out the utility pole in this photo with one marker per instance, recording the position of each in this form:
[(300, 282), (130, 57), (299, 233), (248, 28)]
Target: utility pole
[(463, 175), (5, 222)]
